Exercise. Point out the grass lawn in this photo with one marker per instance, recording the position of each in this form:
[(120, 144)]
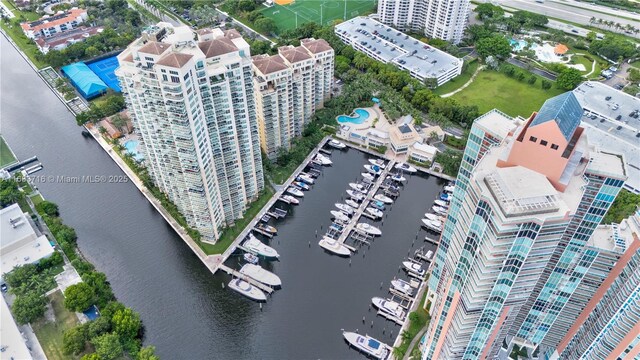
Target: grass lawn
[(24, 43), (457, 81), (28, 15), (36, 199), (6, 156), (492, 89), (316, 11), (230, 234), (414, 328), (50, 333)]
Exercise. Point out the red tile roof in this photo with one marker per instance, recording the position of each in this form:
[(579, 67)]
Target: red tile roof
[(269, 64), (217, 47), (154, 48), (50, 21), (175, 60)]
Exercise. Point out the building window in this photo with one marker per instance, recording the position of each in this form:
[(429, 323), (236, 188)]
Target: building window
[(533, 138), (543, 142), (554, 146)]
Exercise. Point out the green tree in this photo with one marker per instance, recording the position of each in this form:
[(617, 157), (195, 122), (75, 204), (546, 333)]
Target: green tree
[(74, 339), (99, 326), (100, 285), (147, 353), (126, 323), (266, 25), (9, 192), (545, 84), (48, 208), (569, 78), (79, 297), (28, 307), (532, 79), (476, 32), (623, 206), (342, 64), (108, 346), (91, 52), (450, 161), (92, 356), (497, 46), (487, 11), (66, 234)]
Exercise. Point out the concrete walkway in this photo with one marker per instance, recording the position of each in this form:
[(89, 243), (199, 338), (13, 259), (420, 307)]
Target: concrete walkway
[(417, 338), (480, 68)]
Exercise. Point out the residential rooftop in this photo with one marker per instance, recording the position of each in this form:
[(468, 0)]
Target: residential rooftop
[(617, 237), (11, 340)]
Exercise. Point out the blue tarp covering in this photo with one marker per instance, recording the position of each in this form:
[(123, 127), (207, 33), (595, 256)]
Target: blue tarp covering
[(85, 80), (105, 69)]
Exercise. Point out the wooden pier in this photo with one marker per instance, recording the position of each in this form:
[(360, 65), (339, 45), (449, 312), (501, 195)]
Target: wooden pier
[(250, 280), (326, 151), (430, 240)]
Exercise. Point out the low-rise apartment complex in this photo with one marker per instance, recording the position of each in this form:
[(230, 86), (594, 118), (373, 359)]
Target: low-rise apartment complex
[(48, 26)]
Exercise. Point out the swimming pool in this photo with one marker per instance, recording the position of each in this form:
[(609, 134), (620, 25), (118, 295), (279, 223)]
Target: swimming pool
[(518, 45), (132, 148), (361, 116)]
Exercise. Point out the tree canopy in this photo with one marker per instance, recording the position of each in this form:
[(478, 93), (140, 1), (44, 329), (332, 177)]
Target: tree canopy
[(28, 307), (79, 297), (496, 45), (568, 78)]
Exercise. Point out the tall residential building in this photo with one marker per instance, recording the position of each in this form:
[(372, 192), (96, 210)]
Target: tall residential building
[(516, 243), (290, 86), (442, 19), (191, 99)]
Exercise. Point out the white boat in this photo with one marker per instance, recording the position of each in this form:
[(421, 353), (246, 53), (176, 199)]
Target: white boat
[(352, 203), (389, 307), (428, 255), (334, 246), (306, 178), (323, 160), (256, 246), (433, 217), (449, 188), (309, 174), (373, 169), (398, 178), (374, 212), (358, 187), (368, 345), (432, 225), (250, 258), (358, 196), (369, 229), (384, 199), (247, 290), (441, 203), (290, 199), (339, 215), (439, 210), (368, 176), (301, 185), (413, 269), (336, 144), (259, 274), (345, 208), (402, 286), (294, 191), (405, 167), (378, 162), (267, 228)]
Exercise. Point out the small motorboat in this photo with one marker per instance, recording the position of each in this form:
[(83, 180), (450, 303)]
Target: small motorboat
[(378, 162), (449, 188), (256, 246), (398, 178), (306, 178), (445, 197), (247, 290), (267, 228), (439, 210), (368, 176), (250, 258), (368, 345), (336, 144), (339, 215), (405, 167), (374, 212), (442, 203), (301, 185), (295, 191), (389, 307), (433, 217), (356, 195), (323, 160), (369, 229), (333, 246), (290, 199), (358, 187), (345, 208), (377, 204), (383, 198), (432, 225), (259, 274), (352, 203), (402, 286), (414, 269), (373, 169)]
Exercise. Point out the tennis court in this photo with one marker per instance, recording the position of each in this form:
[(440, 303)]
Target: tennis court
[(318, 11), (105, 69)]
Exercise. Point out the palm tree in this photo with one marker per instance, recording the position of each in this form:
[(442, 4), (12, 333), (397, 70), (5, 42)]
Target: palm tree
[(592, 20)]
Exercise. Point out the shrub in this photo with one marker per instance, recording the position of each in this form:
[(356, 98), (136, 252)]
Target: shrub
[(73, 340), (48, 208), (79, 297), (28, 307)]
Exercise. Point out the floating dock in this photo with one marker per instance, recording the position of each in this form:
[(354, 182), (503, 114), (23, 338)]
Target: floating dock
[(250, 280), (326, 151), (430, 240), (265, 233)]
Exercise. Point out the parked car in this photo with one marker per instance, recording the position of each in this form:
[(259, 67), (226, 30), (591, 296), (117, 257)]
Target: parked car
[(4, 287)]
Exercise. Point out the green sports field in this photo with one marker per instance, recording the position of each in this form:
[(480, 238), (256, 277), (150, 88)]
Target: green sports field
[(318, 11)]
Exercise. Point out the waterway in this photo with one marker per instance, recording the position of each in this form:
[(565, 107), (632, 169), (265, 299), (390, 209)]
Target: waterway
[(185, 310)]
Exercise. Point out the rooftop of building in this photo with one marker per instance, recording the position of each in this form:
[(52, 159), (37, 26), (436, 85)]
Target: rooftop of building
[(616, 237), (14, 225), (397, 47), (294, 54), (269, 64), (19, 242), (13, 344), (316, 46), (425, 148), (564, 109), (497, 123), (53, 20), (608, 102), (70, 36)]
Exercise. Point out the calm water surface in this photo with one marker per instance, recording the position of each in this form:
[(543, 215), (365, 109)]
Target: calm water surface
[(185, 310)]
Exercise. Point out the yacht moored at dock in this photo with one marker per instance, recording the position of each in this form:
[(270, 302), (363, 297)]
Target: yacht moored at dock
[(356, 195), (256, 246), (442, 203), (378, 162), (439, 210), (250, 258), (368, 176), (345, 208), (336, 144), (383, 198), (374, 212), (294, 191), (247, 290), (306, 178), (369, 229), (377, 204), (339, 215), (414, 269), (301, 185), (398, 178), (449, 188), (352, 203), (259, 274), (405, 167), (433, 217), (358, 187), (267, 228), (389, 307), (323, 160), (368, 345), (433, 225), (402, 286), (333, 246), (290, 199), (373, 169)]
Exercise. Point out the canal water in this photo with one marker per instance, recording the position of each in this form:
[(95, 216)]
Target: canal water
[(186, 311)]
